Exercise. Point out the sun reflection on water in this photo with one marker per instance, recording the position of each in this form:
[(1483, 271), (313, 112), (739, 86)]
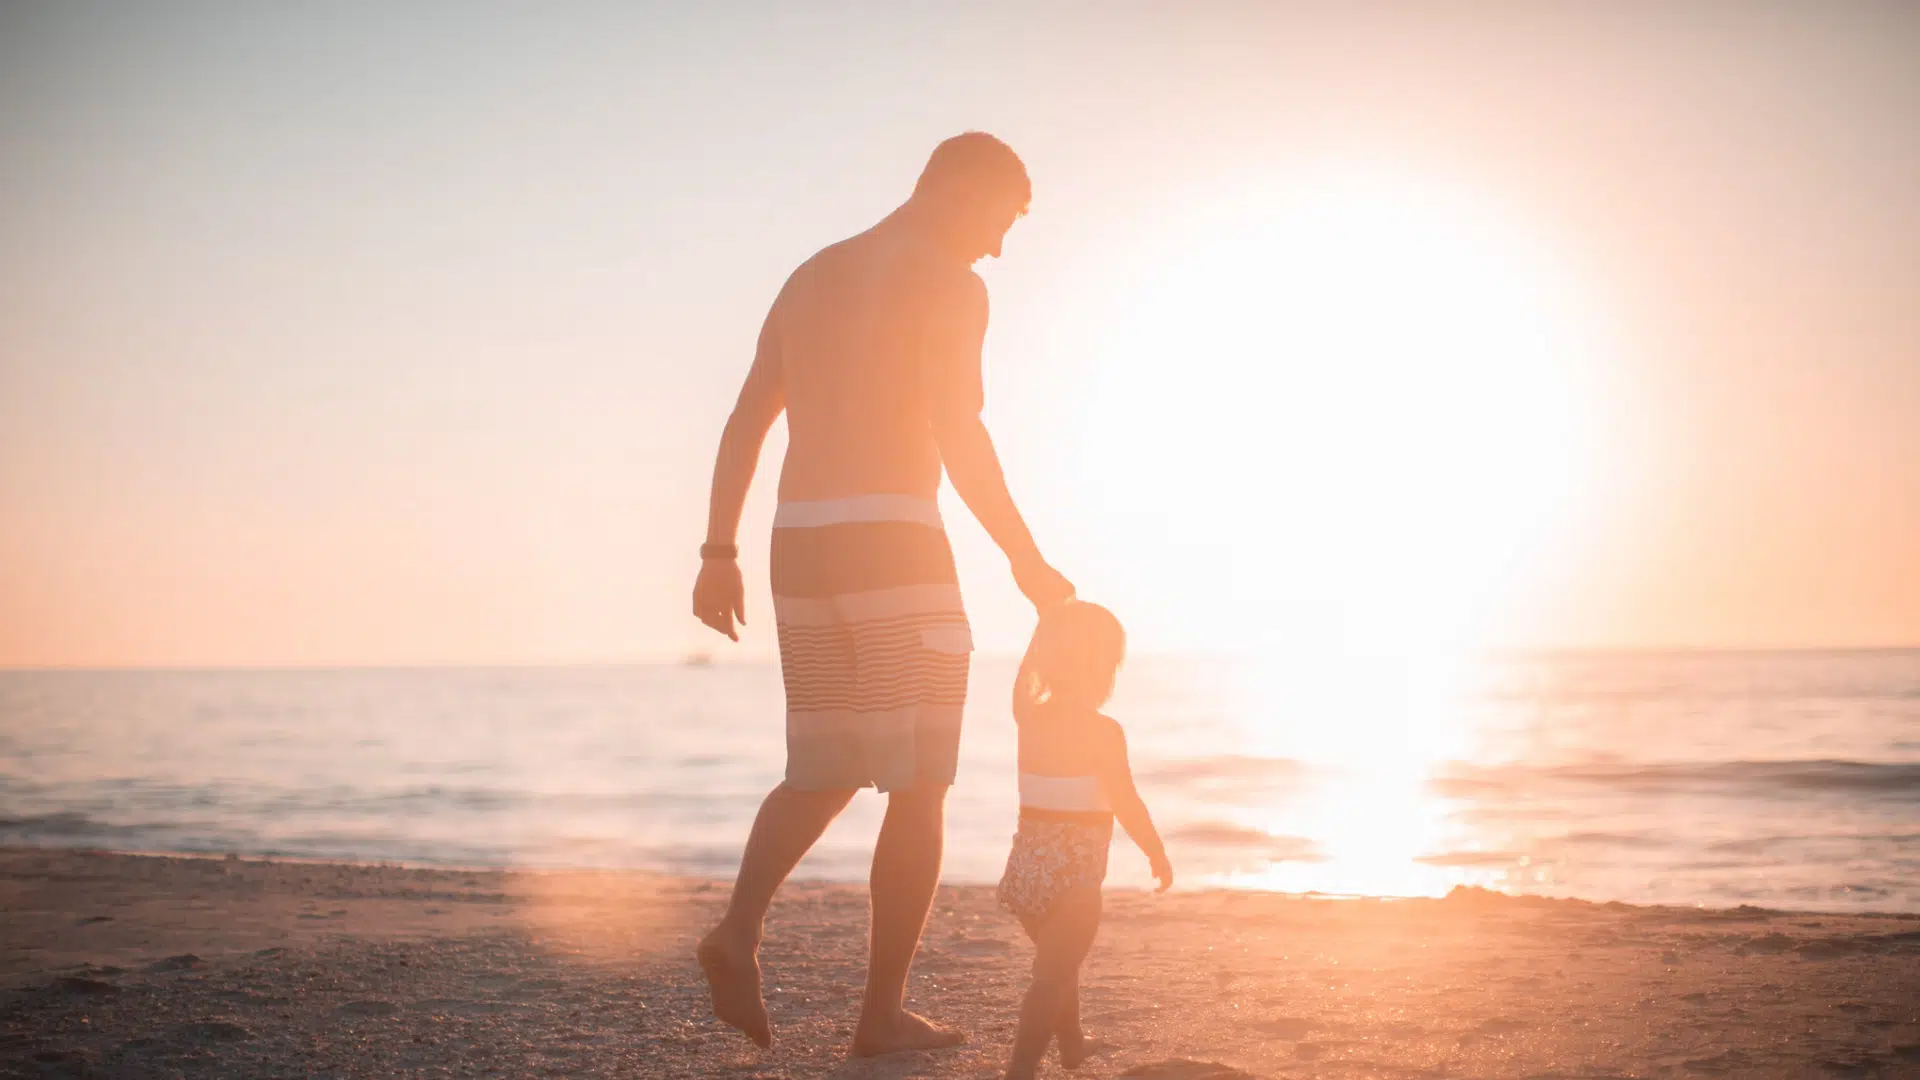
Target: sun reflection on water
[(1373, 731)]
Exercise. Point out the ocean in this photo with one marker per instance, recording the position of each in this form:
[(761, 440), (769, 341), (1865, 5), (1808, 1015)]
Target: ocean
[(1776, 779)]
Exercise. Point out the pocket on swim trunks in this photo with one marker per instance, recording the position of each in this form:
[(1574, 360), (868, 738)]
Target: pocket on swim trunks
[(953, 640)]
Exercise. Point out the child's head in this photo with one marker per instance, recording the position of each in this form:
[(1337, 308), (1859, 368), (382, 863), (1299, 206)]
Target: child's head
[(1075, 653)]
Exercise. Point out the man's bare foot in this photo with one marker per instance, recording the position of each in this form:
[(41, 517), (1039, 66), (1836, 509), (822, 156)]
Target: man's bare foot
[(733, 979), (903, 1031)]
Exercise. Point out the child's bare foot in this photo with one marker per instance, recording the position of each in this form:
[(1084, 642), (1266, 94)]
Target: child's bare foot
[(1076, 1048), (1073, 1047)]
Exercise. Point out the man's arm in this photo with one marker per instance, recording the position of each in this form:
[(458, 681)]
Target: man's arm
[(719, 596), (955, 398)]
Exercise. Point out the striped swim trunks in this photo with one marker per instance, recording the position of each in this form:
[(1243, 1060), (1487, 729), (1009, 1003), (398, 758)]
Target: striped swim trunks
[(874, 643)]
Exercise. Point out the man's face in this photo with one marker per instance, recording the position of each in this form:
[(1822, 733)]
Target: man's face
[(989, 222)]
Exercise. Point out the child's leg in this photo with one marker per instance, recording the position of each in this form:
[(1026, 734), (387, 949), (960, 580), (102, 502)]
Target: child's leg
[(1066, 1026), (1066, 1029), (1060, 946)]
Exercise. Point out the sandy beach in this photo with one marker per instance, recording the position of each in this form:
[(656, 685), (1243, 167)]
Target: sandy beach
[(127, 965)]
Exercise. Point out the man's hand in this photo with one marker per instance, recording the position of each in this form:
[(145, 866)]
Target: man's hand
[(1044, 586), (719, 597), (1163, 872)]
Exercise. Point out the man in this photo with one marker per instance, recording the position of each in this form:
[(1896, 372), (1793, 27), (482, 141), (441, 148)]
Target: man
[(873, 350)]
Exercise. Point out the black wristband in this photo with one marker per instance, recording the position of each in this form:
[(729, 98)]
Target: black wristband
[(719, 551)]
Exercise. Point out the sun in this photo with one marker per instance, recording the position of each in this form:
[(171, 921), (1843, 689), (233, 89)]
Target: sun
[(1360, 410), (1339, 428)]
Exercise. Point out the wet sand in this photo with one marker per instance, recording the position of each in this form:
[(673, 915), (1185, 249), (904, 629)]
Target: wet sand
[(136, 966)]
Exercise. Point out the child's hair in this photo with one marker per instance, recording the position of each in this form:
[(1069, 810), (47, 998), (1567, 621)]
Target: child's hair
[(1076, 650)]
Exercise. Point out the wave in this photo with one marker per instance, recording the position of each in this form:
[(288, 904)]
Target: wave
[(1471, 858), (1856, 840), (1893, 779), (67, 825), (1224, 834), (72, 829), (200, 803), (1222, 767)]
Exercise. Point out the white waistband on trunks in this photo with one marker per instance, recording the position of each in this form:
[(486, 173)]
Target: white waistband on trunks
[(1061, 792), (912, 509)]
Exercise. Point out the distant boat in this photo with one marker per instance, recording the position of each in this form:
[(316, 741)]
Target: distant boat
[(698, 659)]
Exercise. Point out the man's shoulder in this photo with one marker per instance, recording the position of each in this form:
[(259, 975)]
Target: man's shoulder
[(905, 257), (961, 289), (904, 266)]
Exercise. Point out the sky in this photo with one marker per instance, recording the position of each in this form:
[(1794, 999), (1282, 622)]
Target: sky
[(359, 333)]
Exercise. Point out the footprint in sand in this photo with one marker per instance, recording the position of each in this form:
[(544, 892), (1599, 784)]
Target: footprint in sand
[(213, 1031), (369, 1009), (82, 986), (182, 962), (1766, 944)]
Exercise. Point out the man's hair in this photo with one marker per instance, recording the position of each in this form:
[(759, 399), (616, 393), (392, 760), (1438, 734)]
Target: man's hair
[(975, 160)]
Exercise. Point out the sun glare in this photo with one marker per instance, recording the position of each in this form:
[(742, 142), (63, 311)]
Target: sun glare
[(1366, 402), (1341, 427)]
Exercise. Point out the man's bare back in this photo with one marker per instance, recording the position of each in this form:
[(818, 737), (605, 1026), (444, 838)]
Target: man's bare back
[(873, 337)]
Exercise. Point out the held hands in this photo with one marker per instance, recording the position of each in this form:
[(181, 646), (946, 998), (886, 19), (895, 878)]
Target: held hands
[(1042, 585), (719, 597), (1162, 872)]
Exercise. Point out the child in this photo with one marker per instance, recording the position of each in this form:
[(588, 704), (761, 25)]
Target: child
[(1074, 781)]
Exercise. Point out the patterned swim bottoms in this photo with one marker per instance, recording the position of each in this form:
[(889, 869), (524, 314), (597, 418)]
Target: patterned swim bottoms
[(874, 643), (1048, 859)]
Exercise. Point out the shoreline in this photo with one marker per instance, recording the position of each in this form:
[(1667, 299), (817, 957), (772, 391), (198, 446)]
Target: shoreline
[(8, 849), (157, 965)]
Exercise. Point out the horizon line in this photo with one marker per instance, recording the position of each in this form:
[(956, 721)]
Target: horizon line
[(701, 659)]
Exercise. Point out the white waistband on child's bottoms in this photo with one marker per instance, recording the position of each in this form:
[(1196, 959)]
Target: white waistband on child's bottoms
[(1061, 792), (911, 509)]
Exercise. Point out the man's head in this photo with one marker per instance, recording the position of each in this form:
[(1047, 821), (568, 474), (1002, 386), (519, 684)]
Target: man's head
[(975, 187)]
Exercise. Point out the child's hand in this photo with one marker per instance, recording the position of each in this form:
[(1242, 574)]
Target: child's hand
[(1042, 585), (1163, 872)]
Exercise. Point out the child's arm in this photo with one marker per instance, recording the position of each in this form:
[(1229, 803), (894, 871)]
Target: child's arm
[(1116, 779), (1022, 690)]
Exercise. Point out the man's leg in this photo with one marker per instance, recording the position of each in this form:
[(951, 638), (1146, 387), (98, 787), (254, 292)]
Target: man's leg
[(906, 870), (789, 822)]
